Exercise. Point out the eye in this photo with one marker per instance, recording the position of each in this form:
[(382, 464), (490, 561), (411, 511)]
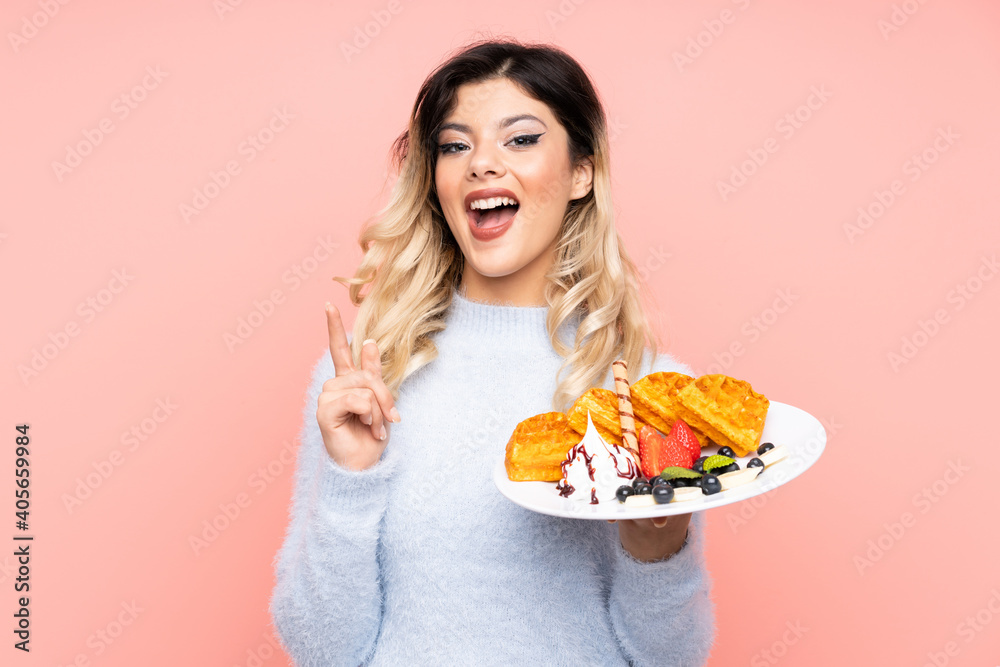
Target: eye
[(446, 149), (526, 139)]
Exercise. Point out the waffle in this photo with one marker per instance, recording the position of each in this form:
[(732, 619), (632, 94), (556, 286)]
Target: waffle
[(538, 446), (603, 407), (725, 409), (654, 400)]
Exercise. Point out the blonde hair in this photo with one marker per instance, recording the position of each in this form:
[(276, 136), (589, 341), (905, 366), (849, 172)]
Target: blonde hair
[(412, 264)]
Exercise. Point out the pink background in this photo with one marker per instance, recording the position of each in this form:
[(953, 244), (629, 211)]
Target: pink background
[(851, 555)]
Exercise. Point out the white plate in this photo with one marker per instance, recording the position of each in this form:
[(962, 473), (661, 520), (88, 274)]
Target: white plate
[(796, 429)]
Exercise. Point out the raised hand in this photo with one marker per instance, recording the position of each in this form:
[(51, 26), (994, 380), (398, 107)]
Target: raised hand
[(355, 406)]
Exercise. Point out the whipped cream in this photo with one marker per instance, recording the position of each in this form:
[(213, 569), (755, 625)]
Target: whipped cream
[(594, 469)]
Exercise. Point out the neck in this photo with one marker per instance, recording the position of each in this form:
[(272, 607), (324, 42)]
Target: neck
[(524, 287), (501, 291)]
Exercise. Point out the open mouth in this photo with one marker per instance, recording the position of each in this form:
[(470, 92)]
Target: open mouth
[(493, 212)]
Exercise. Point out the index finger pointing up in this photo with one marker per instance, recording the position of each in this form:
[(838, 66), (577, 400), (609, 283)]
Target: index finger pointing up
[(340, 349)]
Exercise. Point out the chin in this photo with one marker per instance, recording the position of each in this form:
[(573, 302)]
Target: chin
[(494, 271)]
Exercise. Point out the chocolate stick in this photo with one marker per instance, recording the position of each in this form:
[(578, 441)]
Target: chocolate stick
[(625, 414)]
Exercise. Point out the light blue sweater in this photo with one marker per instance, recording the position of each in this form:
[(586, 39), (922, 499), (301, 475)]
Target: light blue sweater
[(420, 560)]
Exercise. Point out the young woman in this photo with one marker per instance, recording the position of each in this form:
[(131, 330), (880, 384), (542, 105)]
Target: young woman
[(495, 288)]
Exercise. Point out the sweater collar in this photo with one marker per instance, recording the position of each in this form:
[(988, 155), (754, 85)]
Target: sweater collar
[(512, 326)]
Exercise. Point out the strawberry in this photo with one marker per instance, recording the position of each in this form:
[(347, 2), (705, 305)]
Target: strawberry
[(683, 433), (651, 446), (674, 453)]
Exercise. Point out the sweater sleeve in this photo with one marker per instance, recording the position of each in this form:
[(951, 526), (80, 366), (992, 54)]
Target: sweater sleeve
[(326, 605), (661, 612)]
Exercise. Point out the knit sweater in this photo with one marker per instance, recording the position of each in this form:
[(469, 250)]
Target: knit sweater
[(420, 560)]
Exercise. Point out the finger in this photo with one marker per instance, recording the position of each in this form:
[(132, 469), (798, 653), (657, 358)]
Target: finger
[(353, 402), (612, 520), (337, 394), (340, 349), (376, 418), (661, 521), (369, 411), (362, 379), (371, 361)]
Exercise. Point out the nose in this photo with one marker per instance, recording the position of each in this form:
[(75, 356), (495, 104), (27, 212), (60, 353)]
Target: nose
[(484, 159)]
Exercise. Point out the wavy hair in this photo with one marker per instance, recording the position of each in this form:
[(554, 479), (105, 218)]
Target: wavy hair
[(412, 263)]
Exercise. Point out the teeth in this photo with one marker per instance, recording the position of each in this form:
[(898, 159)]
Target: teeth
[(492, 202)]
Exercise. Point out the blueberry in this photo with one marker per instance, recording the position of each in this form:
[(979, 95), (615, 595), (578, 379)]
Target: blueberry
[(710, 484), (698, 464), (623, 492), (755, 463), (663, 493), (659, 481), (729, 468), (767, 446), (639, 480), (643, 489), (727, 451)]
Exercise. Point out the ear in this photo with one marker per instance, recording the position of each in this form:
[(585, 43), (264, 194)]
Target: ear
[(583, 179)]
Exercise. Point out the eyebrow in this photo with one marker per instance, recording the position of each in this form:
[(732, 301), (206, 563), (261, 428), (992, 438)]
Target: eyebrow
[(506, 122)]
